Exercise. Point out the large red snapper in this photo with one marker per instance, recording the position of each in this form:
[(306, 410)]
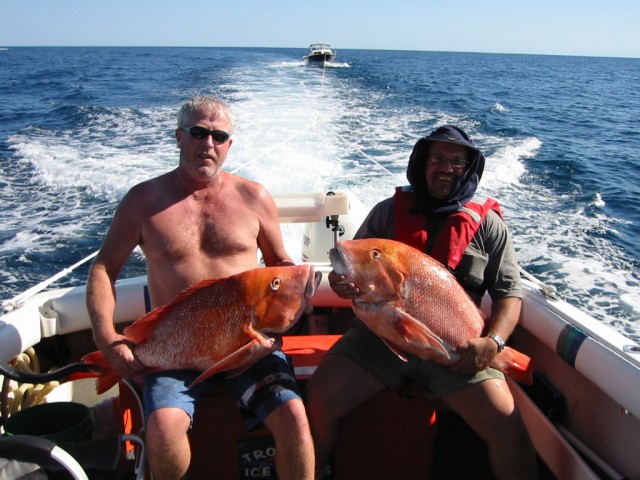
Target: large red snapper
[(218, 325), (414, 303)]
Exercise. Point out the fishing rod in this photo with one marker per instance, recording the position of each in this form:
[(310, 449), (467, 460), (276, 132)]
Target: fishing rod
[(19, 300)]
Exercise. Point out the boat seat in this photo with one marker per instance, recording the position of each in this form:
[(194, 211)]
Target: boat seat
[(389, 436)]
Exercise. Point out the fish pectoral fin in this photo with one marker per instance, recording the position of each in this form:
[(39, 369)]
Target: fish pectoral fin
[(241, 359), (415, 332)]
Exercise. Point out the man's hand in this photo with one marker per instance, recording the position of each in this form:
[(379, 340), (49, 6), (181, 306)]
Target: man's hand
[(476, 355), (342, 288), (119, 355)]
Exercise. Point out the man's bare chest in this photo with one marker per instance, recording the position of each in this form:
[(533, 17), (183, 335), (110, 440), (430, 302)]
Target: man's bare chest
[(213, 230)]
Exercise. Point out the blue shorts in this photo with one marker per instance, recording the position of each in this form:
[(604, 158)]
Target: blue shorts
[(259, 390)]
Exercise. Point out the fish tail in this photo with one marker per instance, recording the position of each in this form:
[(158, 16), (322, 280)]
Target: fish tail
[(106, 378), (516, 364)]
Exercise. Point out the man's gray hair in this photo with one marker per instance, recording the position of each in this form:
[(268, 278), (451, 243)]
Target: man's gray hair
[(204, 105)]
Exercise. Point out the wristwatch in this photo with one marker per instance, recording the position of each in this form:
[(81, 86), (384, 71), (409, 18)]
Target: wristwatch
[(498, 339)]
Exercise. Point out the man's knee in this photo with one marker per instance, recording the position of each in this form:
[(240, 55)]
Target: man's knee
[(288, 417), (167, 423)]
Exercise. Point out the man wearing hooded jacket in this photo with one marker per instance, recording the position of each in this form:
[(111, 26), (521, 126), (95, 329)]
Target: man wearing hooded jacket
[(436, 214)]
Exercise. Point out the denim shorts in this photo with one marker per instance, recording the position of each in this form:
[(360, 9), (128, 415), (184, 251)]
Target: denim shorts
[(364, 348), (259, 390)]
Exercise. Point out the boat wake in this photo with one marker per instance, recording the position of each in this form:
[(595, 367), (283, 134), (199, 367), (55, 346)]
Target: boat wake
[(299, 130)]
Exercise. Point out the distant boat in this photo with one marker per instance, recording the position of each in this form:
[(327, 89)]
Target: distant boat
[(320, 52)]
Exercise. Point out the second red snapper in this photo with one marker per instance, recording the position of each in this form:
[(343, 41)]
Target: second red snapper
[(415, 304), (218, 325)]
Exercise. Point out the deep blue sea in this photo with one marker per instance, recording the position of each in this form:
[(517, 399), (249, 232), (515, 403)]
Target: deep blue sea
[(80, 126)]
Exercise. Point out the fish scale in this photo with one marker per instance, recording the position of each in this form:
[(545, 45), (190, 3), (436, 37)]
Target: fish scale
[(165, 348), (441, 297), (414, 303)]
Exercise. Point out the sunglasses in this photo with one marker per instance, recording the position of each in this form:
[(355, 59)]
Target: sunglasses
[(201, 133)]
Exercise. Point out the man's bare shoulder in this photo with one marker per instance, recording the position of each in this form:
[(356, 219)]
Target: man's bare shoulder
[(252, 191), (148, 191), (245, 185)]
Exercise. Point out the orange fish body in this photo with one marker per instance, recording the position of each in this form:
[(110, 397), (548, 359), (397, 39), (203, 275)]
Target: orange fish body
[(218, 325), (414, 303)]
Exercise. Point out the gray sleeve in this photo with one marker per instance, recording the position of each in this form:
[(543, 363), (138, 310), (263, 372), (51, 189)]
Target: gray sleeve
[(380, 222), (502, 274)]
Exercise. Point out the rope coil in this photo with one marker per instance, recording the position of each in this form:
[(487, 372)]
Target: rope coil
[(19, 396)]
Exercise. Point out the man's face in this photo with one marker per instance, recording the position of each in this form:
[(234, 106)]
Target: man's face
[(203, 158), (445, 165)]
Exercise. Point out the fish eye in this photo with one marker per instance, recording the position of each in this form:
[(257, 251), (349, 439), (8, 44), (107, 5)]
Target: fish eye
[(275, 283), (376, 253)]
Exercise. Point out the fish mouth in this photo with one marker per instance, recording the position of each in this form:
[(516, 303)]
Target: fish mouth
[(313, 282), (338, 261)]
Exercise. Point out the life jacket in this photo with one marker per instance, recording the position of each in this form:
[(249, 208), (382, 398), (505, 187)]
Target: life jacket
[(455, 235)]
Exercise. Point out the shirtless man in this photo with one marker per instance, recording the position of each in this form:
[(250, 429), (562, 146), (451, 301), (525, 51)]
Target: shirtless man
[(192, 223)]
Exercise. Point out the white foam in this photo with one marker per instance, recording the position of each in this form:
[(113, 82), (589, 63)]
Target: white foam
[(302, 128), (498, 107), (598, 200), (505, 166), (369, 157)]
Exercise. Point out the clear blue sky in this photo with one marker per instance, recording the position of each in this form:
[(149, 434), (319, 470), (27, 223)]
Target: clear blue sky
[(557, 27)]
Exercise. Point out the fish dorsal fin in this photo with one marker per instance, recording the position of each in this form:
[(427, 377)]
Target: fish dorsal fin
[(138, 330)]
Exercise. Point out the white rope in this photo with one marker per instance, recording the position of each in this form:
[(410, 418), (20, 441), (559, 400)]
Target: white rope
[(18, 300), (20, 396), (547, 290), (252, 161), (366, 155), (287, 140), (324, 69)]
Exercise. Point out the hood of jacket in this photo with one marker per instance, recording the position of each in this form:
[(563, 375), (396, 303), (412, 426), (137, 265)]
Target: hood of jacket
[(468, 182)]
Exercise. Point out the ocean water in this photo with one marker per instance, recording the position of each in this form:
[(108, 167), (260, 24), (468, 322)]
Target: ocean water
[(80, 126)]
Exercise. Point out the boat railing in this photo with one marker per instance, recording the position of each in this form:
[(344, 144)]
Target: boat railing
[(311, 206)]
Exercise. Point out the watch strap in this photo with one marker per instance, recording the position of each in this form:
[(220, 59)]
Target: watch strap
[(498, 339)]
